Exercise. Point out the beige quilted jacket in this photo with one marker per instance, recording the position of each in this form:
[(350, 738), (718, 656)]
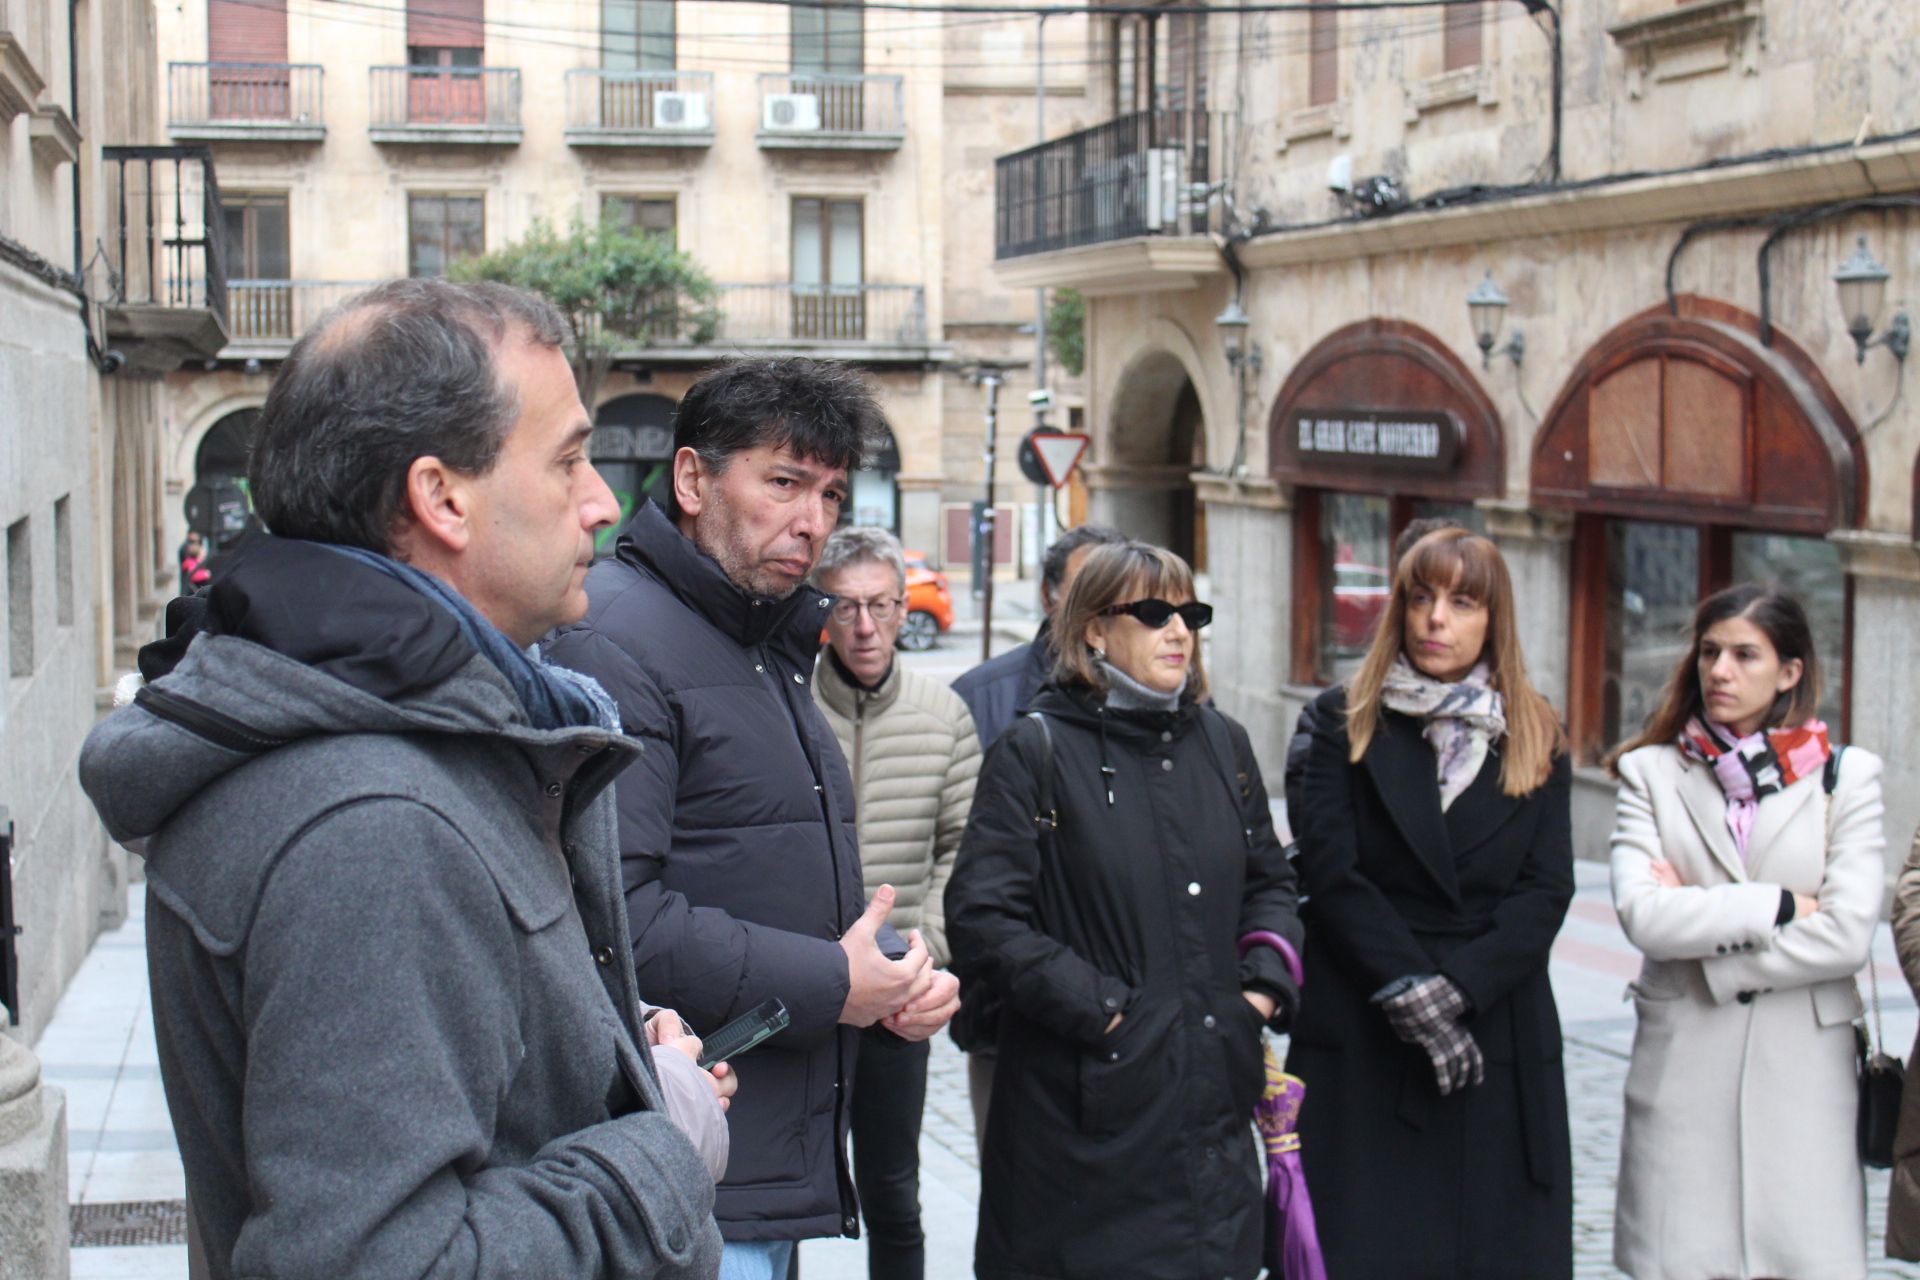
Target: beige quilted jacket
[(913, 753)]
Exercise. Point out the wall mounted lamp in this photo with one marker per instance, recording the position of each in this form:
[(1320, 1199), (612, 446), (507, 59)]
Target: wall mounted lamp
[(1863, 291), (1487, 309), (1243, 357)]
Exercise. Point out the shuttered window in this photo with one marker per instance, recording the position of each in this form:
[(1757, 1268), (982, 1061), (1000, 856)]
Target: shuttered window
[(247, 30), (446, 24), (1323, 57), (1463, 36)]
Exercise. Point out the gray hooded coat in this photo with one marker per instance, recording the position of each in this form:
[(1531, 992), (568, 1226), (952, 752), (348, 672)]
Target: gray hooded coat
[(387, 947)]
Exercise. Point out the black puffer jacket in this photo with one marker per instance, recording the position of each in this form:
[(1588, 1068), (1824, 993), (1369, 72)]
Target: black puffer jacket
[(738, 851), (1001, 688), (1130, 1153)]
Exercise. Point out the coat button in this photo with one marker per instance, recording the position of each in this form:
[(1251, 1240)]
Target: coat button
[(1213, 1153), (1166, 766), (798, 678), (553, 788), (1113, 1002), (851, 1225), (1209, 1022), (1722, 948), (1745, 997), (1166, 735), (603, 955), (1193, 888), (1113, 1056), (677, 1242), (758, 667)]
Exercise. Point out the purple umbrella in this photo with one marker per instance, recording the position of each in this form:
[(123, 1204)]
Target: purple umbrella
[(1293, 1242)]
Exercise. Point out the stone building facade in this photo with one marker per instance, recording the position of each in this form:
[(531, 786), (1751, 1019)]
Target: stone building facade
[(814, 162), (1672, 400)]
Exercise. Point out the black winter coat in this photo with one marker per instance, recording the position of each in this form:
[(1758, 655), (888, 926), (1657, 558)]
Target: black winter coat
[(738, 852), (1000, 689), (1478, 1185), (1130, 1153)]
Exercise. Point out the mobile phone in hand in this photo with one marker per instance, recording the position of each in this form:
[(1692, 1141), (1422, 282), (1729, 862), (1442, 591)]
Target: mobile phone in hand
[(743, 1033)]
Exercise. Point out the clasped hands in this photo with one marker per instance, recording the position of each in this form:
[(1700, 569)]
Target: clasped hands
[(908, 996), (1429, 1012)]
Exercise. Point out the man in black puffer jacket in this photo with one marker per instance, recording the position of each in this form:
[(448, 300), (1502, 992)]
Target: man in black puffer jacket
[(737, 823)]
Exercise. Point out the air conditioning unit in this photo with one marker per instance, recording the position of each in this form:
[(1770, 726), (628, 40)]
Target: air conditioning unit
[(790, 111), (681, 111)]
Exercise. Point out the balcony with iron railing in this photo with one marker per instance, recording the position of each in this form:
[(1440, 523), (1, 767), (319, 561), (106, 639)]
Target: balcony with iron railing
[(245, 102), (871, 323), (832, 112), (471, 106), (1139, 184), (639, 108), (165, 298)]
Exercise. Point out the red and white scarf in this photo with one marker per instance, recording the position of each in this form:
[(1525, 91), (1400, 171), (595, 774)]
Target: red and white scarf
[(1755, 766)]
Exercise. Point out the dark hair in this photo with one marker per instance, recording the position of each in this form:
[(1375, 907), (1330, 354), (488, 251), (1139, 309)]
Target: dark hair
[(822, 410), (1780, 618), (402, 371), (1418, 529), (1053, 566)]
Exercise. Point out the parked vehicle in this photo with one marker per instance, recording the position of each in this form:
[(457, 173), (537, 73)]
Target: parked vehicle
[(929, 605), (1360, 594)]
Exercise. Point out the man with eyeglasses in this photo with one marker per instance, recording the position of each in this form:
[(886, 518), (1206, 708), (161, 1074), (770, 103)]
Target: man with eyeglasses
[(914, 754)]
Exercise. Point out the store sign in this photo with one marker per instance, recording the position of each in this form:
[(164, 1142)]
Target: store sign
[(616, 441), (1386, 441)]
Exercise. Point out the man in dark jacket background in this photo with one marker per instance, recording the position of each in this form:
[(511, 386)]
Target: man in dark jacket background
[(737, 823), (998, 692), (383, 898)]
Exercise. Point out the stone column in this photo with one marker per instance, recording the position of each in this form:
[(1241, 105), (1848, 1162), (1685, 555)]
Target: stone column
[(1885, 715), (1250, 556), (33, 1170), (1538, 547)]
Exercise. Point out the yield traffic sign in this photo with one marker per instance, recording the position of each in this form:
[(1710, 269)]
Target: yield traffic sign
[(1059, 453)]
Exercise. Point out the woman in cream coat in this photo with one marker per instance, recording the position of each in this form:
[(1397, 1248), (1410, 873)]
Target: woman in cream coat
[(1753, 894)]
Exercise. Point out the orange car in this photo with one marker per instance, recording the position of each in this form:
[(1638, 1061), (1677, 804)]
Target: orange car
[(929, 606)]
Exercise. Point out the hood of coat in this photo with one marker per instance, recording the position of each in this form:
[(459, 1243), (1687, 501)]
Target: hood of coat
[(845, 698), (790, 625), (296, 641)]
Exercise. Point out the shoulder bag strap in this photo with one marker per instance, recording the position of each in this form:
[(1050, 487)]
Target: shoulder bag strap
[(1047, 817), (1239, 779)]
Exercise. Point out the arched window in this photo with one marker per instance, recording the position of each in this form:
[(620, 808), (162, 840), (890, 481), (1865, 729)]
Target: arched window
[(632, 448)]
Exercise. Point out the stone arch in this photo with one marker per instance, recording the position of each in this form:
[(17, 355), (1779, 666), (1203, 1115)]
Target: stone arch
[(186, 446), (632, 448), (1161, 425)]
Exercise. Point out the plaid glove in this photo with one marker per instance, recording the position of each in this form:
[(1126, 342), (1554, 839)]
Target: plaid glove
[(1427, 1013)]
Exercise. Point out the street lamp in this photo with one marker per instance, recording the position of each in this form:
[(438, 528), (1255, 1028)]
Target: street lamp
[(1487, 309), (1863, 291), (1243, 357)]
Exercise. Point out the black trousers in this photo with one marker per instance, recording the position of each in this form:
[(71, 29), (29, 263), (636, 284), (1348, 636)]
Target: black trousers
[(889, 1097)]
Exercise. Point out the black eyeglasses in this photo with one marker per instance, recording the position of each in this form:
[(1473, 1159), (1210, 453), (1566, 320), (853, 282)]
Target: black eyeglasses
[(1158, 613)]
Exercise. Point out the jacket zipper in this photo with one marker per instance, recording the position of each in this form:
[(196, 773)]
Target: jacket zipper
[(859, 720), (216, 727)]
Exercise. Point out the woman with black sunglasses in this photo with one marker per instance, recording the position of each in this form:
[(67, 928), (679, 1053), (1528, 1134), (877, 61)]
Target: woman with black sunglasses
[(1119, 849), (1436, 856)]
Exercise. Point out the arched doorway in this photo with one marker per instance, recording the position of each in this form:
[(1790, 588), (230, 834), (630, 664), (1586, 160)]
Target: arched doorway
[(1693, 456), (218, 506), (1376, 426), (1156, 438), (632, 448), (875, 500)]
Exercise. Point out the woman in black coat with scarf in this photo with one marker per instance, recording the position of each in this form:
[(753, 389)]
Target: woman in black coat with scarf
[(1436, 859), (1119, 847)]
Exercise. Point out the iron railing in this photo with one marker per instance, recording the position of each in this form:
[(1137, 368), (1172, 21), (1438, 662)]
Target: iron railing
[(167, 245), (1141, 174), (629, 102), (441, 99), (223, 94), (797, 106), (800, 314)]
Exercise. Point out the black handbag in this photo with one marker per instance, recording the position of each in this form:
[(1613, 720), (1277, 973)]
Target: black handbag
[(1882, 1077)]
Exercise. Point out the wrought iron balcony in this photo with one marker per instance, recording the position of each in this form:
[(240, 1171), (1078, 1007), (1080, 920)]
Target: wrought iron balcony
[(475, 106), (832, 113), (1138, 175), (166, 300), (245, 101), (639, 108)]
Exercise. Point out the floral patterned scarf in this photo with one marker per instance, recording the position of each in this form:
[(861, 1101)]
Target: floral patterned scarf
[(1755, 766), (1461, 720)]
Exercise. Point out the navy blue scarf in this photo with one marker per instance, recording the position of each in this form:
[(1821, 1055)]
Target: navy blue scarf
[(554, 697)]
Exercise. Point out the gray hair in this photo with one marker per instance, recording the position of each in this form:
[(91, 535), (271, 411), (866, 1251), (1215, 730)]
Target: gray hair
[(403, 371), (861, 544)]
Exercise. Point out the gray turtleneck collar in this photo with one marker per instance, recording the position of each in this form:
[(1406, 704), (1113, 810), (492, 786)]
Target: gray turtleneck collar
[(1124, 693)]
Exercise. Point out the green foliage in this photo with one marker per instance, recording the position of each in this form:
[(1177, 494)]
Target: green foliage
[(619, 290), (1067, 330)]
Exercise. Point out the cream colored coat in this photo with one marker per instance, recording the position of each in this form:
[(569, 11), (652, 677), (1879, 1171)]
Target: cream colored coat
[(914, 755), (1737, 1155)]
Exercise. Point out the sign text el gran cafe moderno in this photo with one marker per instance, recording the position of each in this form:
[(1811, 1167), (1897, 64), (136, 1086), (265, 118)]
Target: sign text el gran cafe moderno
[(1389, 440)]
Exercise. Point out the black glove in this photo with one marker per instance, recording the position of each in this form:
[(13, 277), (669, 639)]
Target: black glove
[(1428, 1013)]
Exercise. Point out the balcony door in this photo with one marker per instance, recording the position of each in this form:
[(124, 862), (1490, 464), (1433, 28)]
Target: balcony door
[(635, 35), (446, 43), (829, 304), (831, 41), (259, 292), (247, 47)]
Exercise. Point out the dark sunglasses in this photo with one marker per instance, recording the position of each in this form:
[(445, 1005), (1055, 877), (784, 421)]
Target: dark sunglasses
[(1157, 613)]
